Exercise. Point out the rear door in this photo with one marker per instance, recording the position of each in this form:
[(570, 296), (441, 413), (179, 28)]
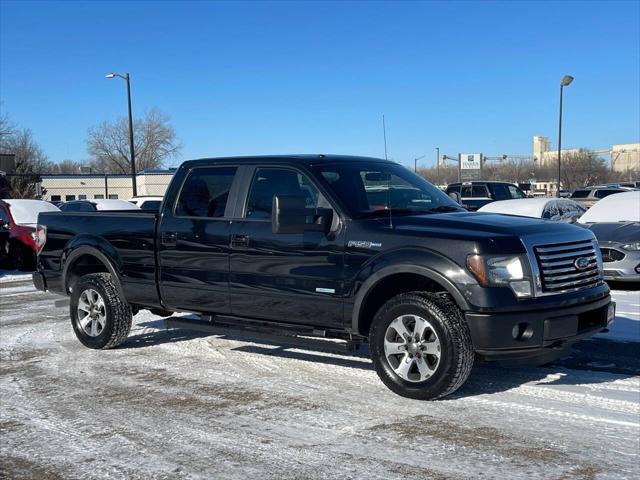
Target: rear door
[(294, 278), (193, 241)]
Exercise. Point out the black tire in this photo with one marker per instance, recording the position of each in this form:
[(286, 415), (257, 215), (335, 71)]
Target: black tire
[(456, 354), (117, 312)]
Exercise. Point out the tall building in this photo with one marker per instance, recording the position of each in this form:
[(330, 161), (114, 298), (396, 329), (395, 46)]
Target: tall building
[(540, 146), (625, 157)]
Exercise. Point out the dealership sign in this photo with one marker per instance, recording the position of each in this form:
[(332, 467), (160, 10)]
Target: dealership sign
[(470, 166)]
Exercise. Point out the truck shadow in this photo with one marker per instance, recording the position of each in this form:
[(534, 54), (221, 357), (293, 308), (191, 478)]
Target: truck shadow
[(592, 361)]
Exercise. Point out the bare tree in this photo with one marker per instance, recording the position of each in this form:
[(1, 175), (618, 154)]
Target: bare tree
[(67, 166), (578, 169), (29, 157), (155, 142)]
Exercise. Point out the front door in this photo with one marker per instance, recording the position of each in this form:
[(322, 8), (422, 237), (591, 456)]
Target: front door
[(293, 278), (193, 242)]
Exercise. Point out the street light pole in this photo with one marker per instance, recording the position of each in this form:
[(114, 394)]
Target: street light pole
[(415, 163), (126, 78), (437, 166), (566, 80)]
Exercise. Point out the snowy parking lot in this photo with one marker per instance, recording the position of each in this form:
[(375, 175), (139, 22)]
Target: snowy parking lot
[(178, 404)]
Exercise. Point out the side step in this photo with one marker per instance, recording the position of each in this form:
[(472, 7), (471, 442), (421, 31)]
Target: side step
[(260, 331)]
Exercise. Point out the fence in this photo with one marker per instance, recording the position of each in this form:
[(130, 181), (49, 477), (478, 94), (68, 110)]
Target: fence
[(62, 187)]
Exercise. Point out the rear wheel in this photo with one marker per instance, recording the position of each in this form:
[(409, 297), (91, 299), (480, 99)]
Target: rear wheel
[(100, 318), (421, 346)]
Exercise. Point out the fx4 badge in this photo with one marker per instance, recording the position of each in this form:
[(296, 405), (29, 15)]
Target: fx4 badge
[(363, 244)]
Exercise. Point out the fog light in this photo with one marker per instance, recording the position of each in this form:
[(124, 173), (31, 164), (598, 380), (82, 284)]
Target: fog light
[(522, 332), (521, 288)]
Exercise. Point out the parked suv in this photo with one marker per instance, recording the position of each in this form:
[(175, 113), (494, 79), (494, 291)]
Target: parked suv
[(587, 197), (352, 248), (474, 195)]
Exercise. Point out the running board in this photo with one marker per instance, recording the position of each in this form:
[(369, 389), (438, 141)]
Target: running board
[(262, 332)]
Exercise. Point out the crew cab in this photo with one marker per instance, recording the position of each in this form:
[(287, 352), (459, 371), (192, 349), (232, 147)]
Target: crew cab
[(353, 248)]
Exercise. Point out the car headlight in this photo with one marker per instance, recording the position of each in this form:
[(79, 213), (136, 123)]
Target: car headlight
[(511, 271), (631, 246)]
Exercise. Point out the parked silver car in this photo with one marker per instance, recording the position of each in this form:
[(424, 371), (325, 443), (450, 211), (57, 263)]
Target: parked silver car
[(587, 197), (615, 221)]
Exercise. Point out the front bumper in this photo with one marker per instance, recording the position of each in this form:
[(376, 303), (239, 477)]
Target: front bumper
[(537, 337)]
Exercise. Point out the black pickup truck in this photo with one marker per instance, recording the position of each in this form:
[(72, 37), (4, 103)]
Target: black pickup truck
[(353, 248)]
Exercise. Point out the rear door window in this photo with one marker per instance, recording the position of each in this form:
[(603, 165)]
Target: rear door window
[(205, 192), (515, 192), (479, 191)]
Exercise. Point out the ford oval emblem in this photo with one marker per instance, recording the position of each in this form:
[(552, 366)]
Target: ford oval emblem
[(582, 263)]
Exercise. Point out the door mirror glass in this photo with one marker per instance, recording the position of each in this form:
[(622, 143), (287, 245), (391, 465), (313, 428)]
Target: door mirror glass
[(289, 214)]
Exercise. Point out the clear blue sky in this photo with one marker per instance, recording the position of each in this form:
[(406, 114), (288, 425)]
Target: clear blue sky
[(252, 78)]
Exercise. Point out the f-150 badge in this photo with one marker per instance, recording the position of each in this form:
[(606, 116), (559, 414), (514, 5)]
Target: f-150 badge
[(363, 244)]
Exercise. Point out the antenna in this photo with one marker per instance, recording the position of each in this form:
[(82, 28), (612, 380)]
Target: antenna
[(384, 132)]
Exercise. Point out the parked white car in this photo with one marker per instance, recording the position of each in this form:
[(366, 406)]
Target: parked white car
[(147, 202), (555, 209)]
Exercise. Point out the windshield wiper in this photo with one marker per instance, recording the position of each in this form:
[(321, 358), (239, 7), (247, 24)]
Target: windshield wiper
[(388, 211), (444, 208)]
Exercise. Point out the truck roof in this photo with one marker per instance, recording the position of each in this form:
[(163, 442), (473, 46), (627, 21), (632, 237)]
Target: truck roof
[(305, 159)]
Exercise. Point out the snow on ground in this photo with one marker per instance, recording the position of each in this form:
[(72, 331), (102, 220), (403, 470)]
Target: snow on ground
[(178, 404), (13, 276)]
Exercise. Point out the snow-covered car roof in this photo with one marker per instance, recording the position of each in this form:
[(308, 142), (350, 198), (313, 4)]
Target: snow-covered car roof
[(619, 207), (525, 207), (113, 204), (25, 212)]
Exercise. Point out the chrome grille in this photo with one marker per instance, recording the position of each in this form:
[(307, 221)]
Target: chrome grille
[(558, 270)]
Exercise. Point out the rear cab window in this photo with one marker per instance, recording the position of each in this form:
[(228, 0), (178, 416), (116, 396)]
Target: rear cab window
[(580, 194)]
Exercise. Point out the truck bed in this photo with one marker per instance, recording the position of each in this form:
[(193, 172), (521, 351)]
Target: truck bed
[(127, 237)]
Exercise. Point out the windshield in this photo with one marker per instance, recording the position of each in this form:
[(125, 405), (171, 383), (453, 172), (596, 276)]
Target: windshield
[(365, 189)]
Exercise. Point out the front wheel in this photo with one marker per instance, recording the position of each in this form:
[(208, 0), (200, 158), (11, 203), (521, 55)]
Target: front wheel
[(100, 318), (421, 346)]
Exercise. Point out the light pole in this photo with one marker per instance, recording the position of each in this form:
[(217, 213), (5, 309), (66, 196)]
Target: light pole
[(437, 166), (415, 163), (125, 77), (566, 80)]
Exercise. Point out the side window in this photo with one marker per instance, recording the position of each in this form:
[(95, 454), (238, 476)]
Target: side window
[(268, 182), (87, 207), (515, 192), (466, 191), (606, 193), (479, 191), (205, 192), (453, 188), (500, 191), (70, 207)]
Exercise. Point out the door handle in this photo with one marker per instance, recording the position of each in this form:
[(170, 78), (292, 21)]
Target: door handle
[(169, 239), (239, 240)]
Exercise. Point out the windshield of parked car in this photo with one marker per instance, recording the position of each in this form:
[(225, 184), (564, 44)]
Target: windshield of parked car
[(366, 189)]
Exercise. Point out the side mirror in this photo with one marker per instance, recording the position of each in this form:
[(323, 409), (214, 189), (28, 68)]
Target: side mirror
[(456, 197), (289, 214), (3, 224)]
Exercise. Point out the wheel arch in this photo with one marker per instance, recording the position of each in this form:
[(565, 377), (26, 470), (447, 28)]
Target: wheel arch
[(392, 280), (85, 259)]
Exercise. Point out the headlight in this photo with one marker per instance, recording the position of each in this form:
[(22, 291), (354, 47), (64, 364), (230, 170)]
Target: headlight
[(509, 271), (631, 246)]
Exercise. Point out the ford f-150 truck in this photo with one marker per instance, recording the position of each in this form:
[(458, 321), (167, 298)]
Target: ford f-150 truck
[(353, 248)]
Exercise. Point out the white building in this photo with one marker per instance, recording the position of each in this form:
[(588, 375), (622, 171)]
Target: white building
[(89, 186), (625, 157)]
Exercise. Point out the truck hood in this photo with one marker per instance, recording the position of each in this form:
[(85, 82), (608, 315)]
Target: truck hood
[(481, 225)]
